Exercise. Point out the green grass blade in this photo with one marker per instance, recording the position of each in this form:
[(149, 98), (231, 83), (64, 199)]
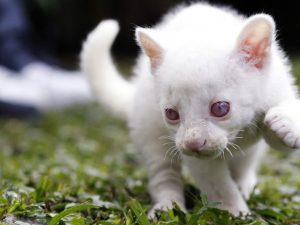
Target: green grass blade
[(139, 212), (70, 210)]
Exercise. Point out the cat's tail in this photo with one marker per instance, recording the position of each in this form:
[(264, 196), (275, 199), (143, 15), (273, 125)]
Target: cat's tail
[(109, 86)]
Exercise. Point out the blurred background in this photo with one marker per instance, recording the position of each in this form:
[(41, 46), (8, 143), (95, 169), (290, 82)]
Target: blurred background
[(40, 42), (62, 25)]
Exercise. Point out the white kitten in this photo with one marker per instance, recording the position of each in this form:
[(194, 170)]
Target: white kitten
[(209, 85)]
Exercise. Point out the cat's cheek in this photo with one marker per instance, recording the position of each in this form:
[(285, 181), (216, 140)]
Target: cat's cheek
[(171, 127), (226, 127)]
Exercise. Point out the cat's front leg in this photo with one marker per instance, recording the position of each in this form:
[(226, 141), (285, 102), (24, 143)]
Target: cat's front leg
[(165, 187), (165, 179), (213, 179), (243, 167), (282, 125)]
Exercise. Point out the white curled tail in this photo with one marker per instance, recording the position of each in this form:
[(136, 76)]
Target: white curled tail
[(110, 88)]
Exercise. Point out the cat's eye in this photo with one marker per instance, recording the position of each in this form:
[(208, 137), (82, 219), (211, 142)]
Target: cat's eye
[(220, 109), (172, 115)]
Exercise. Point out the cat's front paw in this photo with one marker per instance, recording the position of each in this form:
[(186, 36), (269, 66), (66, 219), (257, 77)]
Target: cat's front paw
[(285, 125), (236, 209), (163, 205)]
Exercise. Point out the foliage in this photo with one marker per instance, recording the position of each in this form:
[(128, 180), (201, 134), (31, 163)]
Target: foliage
[(78, 167)]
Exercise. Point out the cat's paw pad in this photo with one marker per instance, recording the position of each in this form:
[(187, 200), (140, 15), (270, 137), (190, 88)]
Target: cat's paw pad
[(284, 126)]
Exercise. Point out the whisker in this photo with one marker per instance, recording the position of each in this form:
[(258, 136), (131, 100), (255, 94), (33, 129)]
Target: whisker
[(237, 147), (169, 151), (179, 156), (218, 153), (238, 137), (168, 143), (173, 155), (228, 150), (222, 153), (253, 123), (233, 146), (167, 137), (236, 131)]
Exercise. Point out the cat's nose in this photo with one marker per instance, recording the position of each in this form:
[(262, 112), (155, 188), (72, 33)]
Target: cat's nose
[(195, 145)]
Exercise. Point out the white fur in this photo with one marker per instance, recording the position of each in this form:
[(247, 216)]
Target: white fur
[(199, 57), (111, 89)]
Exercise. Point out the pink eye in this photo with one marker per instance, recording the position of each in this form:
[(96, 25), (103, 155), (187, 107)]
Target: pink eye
[(172, 115), (219, 109)]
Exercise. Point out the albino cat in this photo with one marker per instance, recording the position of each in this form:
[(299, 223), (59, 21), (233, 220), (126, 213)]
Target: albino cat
[(211, 86)]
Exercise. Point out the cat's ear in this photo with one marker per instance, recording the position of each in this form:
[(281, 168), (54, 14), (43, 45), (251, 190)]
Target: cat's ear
[(255, 40), (150, 47)]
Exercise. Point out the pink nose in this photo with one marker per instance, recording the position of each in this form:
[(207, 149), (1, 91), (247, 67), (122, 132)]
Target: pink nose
[(195, 145)]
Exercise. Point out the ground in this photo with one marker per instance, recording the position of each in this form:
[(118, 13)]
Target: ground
[(78, 166)]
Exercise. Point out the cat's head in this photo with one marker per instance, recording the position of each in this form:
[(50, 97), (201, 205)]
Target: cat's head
[(209, 92)]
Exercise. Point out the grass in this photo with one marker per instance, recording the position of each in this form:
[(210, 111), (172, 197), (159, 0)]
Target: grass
[(78, 166)]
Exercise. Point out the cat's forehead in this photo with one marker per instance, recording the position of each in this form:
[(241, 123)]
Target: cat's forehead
[(193, 87), (195, 59), (187, 75)]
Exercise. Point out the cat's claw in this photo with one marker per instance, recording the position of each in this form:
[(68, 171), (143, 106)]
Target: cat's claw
[(285, 126)]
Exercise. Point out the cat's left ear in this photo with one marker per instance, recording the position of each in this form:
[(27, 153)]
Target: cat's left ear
[(150, 47), (255, 40)]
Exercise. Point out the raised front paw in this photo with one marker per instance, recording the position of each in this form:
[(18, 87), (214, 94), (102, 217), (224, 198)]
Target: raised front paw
[(286, 126)]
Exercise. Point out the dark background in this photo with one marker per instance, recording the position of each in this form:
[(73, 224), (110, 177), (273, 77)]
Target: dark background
[(62, 25)]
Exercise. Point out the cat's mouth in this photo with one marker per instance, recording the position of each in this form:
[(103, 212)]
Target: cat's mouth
[(200, 153), (202, 147)]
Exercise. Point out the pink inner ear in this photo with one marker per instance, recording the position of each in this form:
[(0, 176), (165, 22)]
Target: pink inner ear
[(152, 50), (255, 52)]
